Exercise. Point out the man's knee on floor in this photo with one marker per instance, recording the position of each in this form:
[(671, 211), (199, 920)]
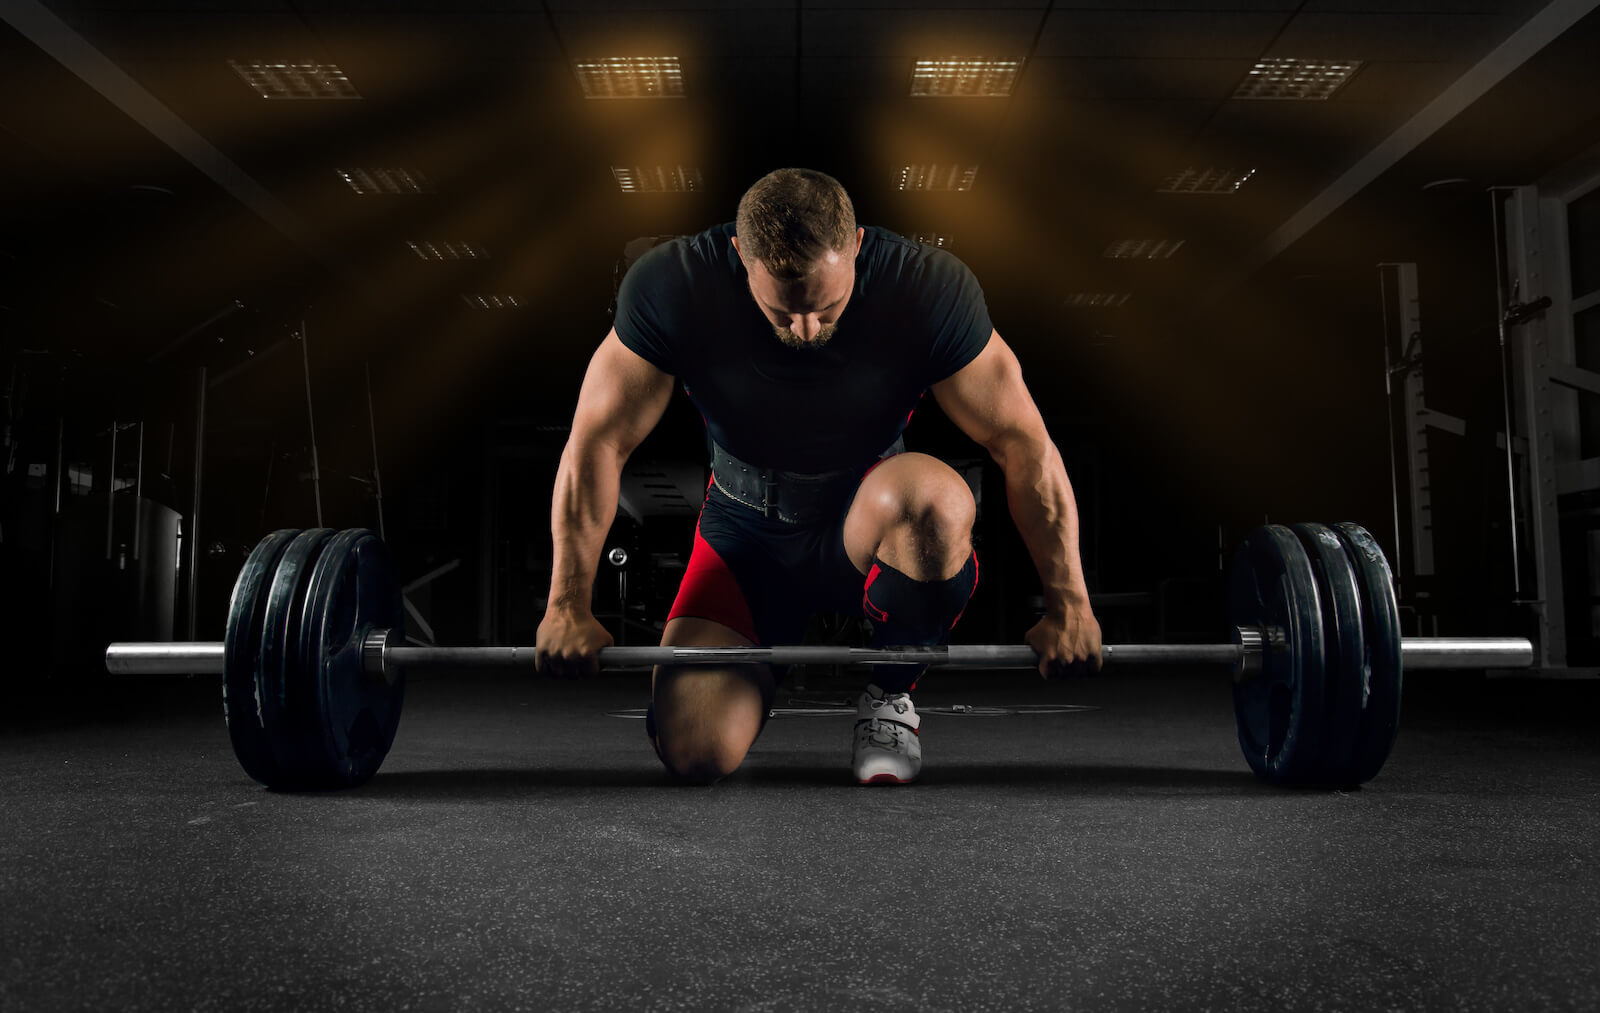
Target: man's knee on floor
[(701, 758), (704, 720)]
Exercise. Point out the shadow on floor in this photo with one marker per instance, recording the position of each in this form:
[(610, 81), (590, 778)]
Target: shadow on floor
[(1100, 779), (1075, 781)]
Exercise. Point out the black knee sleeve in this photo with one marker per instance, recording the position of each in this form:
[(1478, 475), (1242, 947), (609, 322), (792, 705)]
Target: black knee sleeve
[(913, 612)]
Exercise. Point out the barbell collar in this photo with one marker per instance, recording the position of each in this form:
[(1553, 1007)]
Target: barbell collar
[(1251, 644), (375, 658)]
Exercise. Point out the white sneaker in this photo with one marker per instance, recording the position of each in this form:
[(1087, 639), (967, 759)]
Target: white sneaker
[(888, 748)]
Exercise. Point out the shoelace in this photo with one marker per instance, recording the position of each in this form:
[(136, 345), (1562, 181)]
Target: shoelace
[(883, 734), (887, 733), (901, 702)]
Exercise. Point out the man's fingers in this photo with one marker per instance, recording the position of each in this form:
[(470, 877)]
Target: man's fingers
[(573, 663), (578, 666), (1066, 654), (1068, 665)]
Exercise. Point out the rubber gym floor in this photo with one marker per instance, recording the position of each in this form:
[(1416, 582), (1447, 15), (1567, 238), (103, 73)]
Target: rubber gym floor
[(1097, 844)]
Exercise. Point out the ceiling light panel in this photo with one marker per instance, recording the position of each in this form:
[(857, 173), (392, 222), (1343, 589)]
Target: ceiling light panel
[(1143, 249), (494, 302), (1098, 299), (957, 77), (938, 177), (385, 181), (1212, 181), (624, 77), (429, 249), (295, 80), (1295, 79), (658, 179)]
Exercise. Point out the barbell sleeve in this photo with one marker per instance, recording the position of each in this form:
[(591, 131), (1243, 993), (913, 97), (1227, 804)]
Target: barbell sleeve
[(179, 658), (1416, 653), (1465, 652)]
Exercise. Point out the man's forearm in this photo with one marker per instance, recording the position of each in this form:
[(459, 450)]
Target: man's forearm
[(1046, 515), (581, 511)]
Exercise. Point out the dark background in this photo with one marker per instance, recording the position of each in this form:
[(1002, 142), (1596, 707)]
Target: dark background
[(160, 216)]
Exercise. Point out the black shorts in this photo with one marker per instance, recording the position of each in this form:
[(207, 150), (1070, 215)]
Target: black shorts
[(763, 577)]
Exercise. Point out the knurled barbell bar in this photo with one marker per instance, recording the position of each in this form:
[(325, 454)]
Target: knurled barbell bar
[(314, 660), (383, 656)]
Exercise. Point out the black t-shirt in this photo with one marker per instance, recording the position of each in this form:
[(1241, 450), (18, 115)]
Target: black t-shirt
[(915, 317)]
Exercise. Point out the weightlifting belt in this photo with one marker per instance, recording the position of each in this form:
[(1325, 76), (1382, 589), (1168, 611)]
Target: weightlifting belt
[(788, 496)]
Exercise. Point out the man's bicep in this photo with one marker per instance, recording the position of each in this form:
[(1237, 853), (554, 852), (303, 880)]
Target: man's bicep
[(987, 399), (622, 399)]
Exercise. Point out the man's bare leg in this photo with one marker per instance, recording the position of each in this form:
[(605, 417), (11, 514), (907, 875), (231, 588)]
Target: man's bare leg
[(707, 718)]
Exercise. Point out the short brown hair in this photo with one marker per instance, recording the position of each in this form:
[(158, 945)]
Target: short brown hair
[(790, 217)]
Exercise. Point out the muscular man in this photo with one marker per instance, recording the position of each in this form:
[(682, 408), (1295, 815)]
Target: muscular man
[(806, 343)]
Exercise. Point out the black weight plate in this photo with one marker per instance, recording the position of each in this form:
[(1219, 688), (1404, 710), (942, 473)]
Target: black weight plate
[(302, 668), (353, 591), (1380, 619), (282, 709), (1280, 713), (1345, 669), (241, 658)]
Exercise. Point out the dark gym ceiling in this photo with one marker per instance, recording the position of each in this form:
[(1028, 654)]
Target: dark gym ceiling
[(148, 186)]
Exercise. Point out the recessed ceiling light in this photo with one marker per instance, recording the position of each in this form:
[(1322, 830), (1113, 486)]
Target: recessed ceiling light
[(958, 77), (938, 177), (1098, 299), (295, 80), (1143, 249), (1213, 181), (1290, 78), (429, 249), (493, 302), (385, 181), (939, 239), (631, 77), (658, 179)]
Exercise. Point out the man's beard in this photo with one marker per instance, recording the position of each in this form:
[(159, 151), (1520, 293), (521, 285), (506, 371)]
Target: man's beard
[(793, 340)]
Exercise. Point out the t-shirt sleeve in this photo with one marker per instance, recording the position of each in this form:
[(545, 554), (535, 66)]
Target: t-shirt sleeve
[(958, 318), (648, 302)]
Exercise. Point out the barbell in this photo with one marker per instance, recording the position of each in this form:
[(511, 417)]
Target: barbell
[(313, 660)]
